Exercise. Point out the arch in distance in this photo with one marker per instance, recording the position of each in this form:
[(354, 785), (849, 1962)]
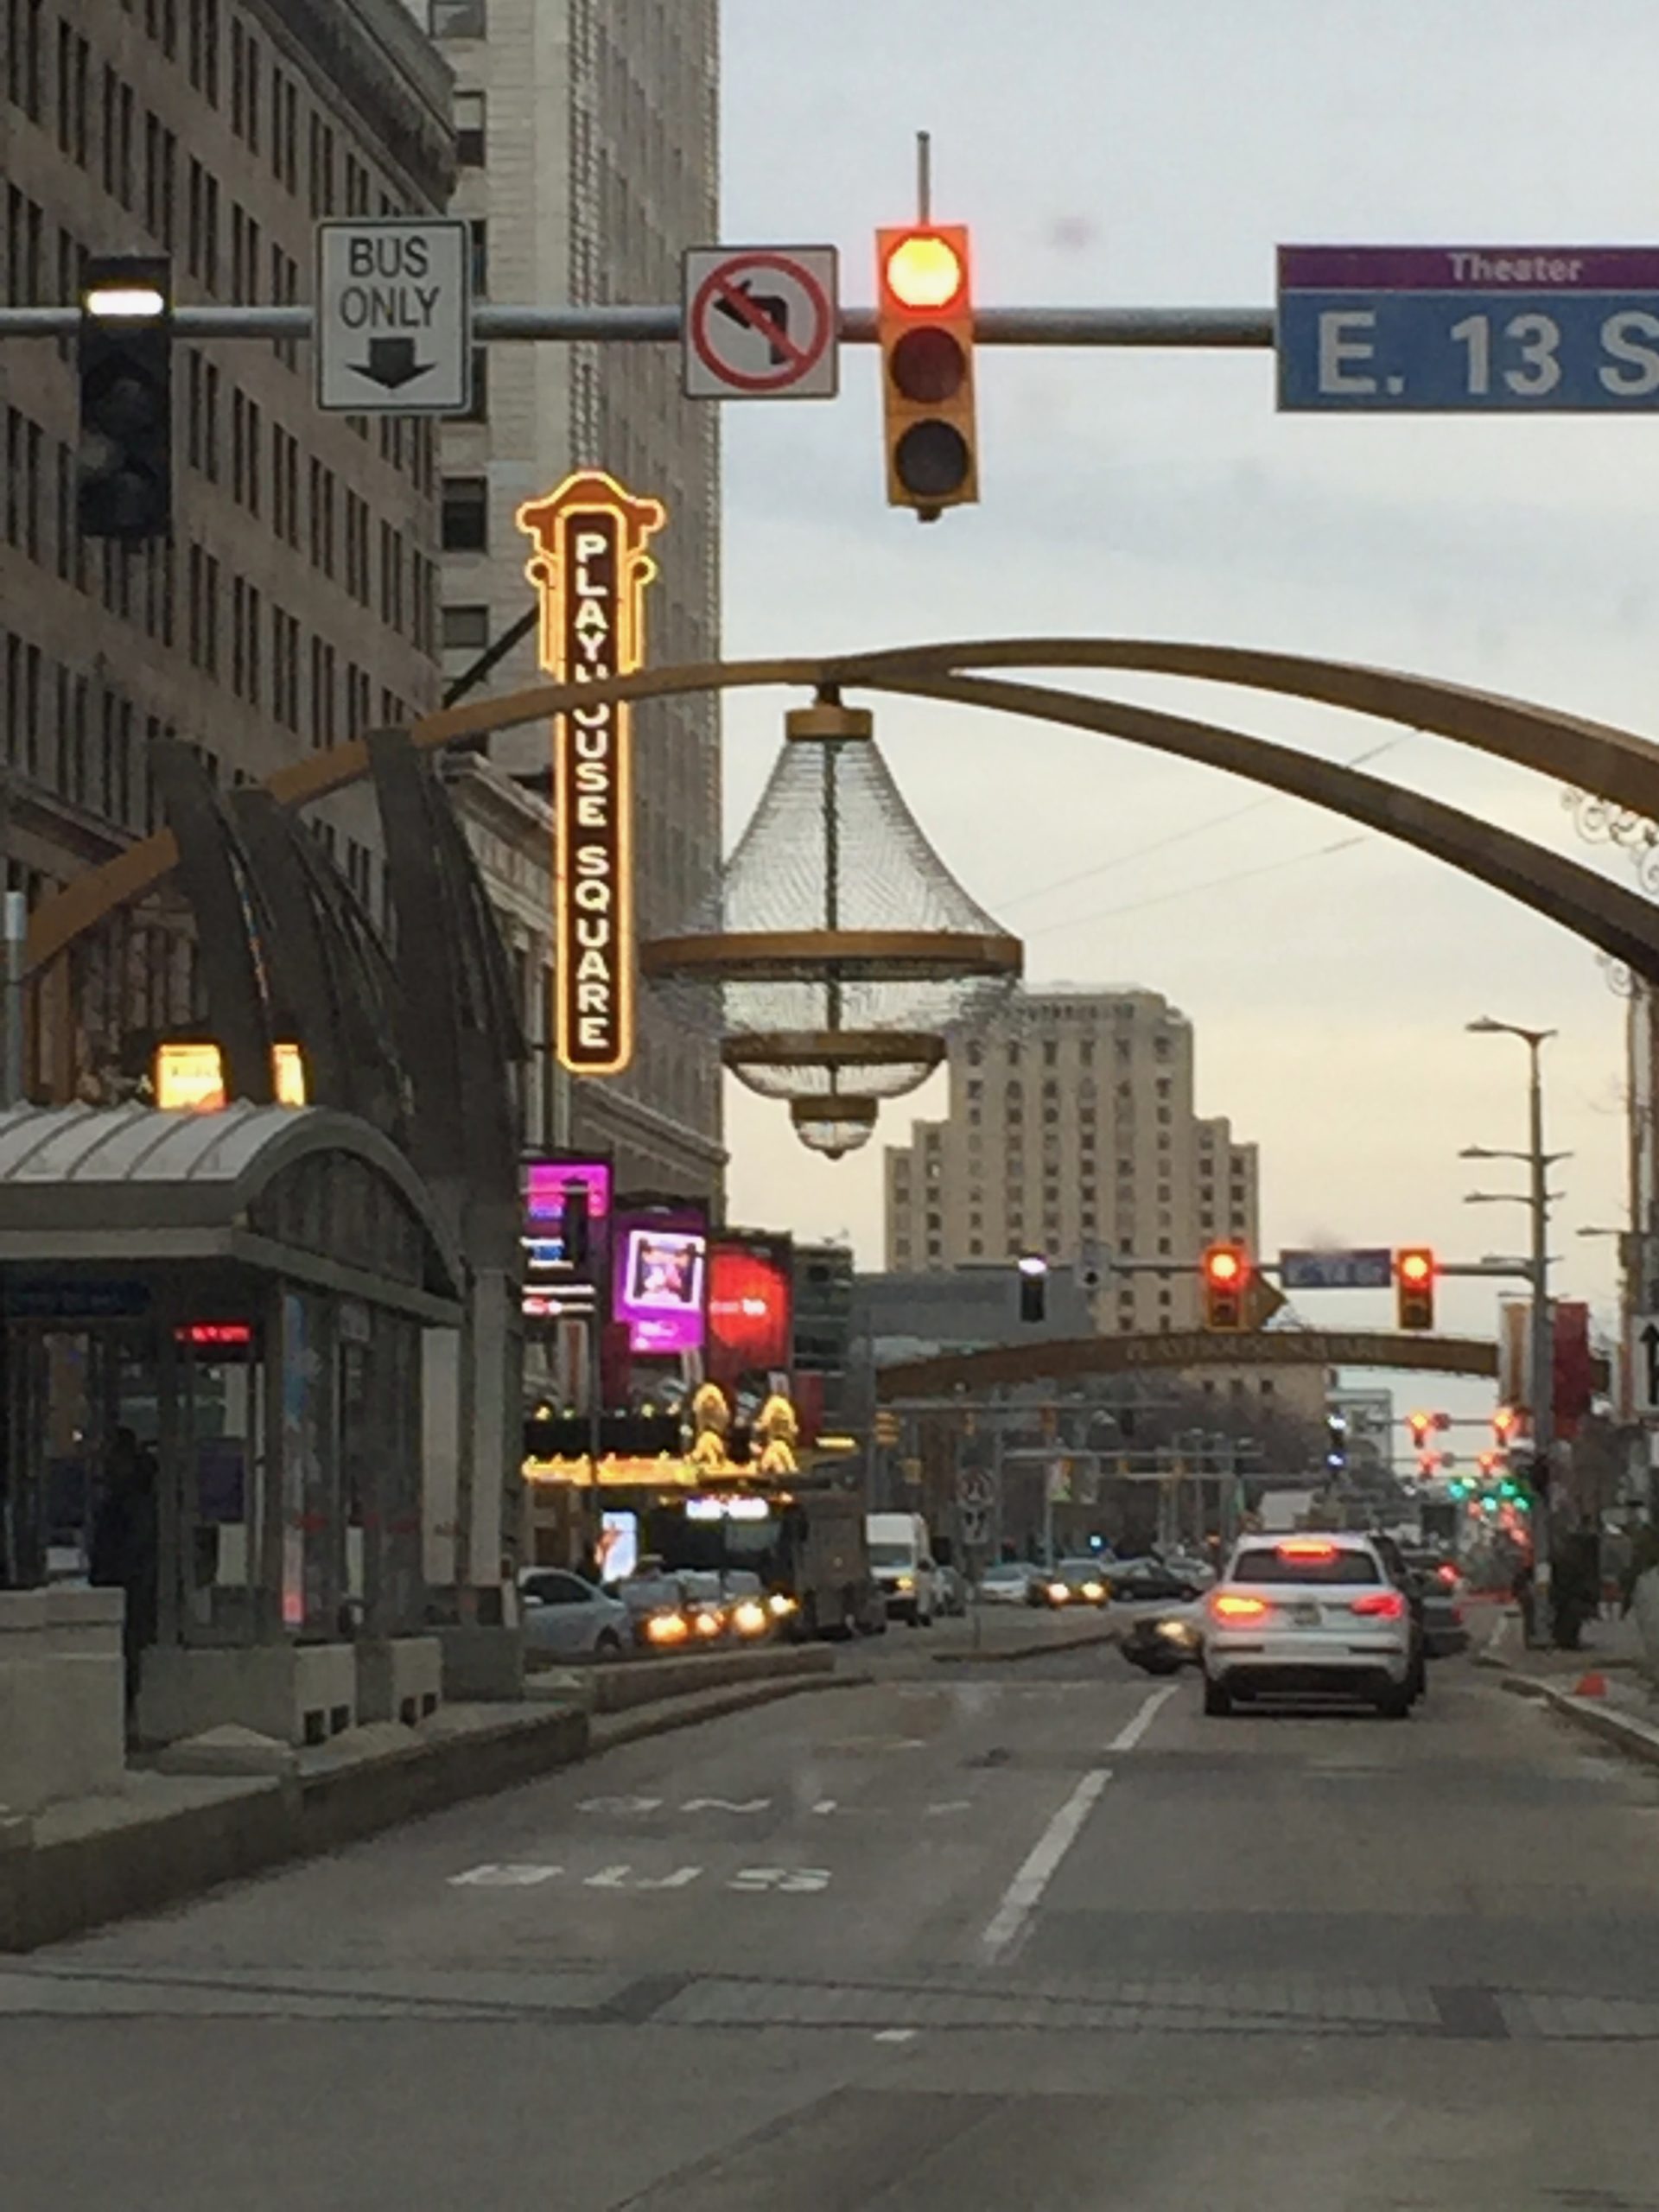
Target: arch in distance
[(1621, 922), (1064, 1358)]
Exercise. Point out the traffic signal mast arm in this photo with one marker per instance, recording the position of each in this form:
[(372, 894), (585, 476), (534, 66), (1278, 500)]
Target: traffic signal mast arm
[(1185, 329)]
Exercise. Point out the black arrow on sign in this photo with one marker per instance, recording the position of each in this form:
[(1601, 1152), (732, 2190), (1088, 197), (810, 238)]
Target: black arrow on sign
[(391, 362), (771, 316), (1650, 1341)]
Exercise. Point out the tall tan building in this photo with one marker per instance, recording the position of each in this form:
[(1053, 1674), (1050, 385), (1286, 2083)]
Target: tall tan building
[(296, 602), (1071, 1133), (587, 134)]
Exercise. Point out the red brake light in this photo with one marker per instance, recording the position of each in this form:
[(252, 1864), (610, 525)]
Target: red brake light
[(1306, 1548), (1229, 1606), (1447, 1573), (1380, 1605)]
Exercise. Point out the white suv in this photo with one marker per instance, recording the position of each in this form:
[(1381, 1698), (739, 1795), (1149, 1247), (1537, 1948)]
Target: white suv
[(1307, 1612)]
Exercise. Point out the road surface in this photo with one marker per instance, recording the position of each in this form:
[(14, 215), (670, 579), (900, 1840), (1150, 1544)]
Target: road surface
[(1035, 1936)]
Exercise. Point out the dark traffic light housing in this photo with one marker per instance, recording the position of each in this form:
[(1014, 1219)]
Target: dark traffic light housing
[(924, 326), (1226, 1279), (1414, 1284), (1034, 1288), (125, 363)]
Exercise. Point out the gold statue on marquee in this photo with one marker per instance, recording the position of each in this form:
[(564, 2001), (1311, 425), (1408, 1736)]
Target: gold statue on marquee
[(591, 568)]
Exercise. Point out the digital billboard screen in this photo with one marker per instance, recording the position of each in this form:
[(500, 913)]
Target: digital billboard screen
[(660, 1279), (751, 1307), (554, 1283)]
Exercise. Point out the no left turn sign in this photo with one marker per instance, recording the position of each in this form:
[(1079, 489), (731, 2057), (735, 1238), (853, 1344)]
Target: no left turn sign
[(760, 322)]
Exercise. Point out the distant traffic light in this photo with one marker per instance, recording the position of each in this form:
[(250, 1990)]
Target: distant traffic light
[(924, 328), (1419, 1426), (1336, 1442), (1413, 1282), (1034, 1288), (1226, 1279), (1505, 1422), (124, 355)]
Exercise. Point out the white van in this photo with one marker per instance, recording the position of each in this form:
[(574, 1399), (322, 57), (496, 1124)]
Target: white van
[(901, 1559)]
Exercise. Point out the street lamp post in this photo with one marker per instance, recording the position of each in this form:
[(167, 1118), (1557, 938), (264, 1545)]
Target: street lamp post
[(1542, 1357)]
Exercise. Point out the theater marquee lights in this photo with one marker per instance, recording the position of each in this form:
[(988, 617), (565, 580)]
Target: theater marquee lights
[(591, 568)]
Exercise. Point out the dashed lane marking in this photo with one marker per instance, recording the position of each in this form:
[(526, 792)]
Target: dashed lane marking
[(1134, 1729), (1021, 1898)]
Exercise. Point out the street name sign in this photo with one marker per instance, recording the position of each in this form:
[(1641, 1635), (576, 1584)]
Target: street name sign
[(760, 322), (394, 316), (1644, 1364), (1367, 1269), (1542, 330)]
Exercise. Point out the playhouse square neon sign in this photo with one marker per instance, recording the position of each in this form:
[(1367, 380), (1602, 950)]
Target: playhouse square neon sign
[(591, 568)]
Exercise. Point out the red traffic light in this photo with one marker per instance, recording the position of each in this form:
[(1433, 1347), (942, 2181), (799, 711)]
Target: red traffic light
[(1420, 1424), (1226, 1271), (1416, 1268), (1505, 1422), (924, 271)]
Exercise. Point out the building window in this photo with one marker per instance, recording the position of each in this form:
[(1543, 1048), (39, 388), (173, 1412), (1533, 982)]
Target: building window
[(455, 18), (466, 629), (469, 129), (480, 231), (466, 514)]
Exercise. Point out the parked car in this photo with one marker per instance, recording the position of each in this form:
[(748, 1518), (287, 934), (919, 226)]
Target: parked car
[(561, 1613), (1008, 1583), (1139, 1580), (949, 1591)]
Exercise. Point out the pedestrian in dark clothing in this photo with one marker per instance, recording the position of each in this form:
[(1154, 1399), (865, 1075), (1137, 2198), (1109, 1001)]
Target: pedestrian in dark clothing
[(124, 1547)]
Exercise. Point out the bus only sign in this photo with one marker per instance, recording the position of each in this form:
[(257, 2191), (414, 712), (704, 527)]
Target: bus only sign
[(590, 566)]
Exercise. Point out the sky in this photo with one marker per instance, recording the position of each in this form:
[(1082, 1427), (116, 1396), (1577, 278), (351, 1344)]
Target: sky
[(1109, 153)]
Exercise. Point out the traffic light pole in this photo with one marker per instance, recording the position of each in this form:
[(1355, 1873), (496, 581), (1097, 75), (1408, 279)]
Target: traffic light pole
[(1542, 1361)]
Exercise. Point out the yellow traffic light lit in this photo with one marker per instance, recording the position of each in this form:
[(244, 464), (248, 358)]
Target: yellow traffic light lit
[(923, 269), (924, 328), (1413, 1282), (1226, 1269)]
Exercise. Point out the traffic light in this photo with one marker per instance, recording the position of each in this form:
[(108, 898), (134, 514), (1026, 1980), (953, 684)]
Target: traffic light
[(1419, 1426), (886, 1429), (1505, 1422), (1226, 1278), (124, 361), (1413, 1282), (1336, 1442), (1034, 1288), (924, 326)]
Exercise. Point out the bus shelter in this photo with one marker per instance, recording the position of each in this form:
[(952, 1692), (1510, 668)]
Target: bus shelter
[(227, 1311)]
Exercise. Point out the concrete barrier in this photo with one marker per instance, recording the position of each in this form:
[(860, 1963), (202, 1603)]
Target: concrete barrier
[(166, 1836)]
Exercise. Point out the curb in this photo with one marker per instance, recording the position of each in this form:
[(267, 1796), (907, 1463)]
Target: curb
[(608, 1731), (1638, 1739), (1039, 1650)]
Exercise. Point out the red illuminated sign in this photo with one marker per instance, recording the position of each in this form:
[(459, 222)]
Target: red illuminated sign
[(219, 1335), (750, 1297)]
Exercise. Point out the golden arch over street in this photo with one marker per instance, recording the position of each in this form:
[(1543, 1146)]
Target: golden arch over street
[(1067, 1358), (1618, 765)]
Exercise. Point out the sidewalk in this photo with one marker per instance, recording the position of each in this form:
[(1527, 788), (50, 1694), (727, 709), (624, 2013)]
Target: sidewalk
[(1600, 1689)]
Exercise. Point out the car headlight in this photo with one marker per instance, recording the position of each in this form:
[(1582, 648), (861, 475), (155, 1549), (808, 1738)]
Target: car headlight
[(750, 1618), (1059, 1591), (707, 1623), (1177, 1631), (1094, 1590), (780, 1604), (667, 1628), (905, 1582)]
